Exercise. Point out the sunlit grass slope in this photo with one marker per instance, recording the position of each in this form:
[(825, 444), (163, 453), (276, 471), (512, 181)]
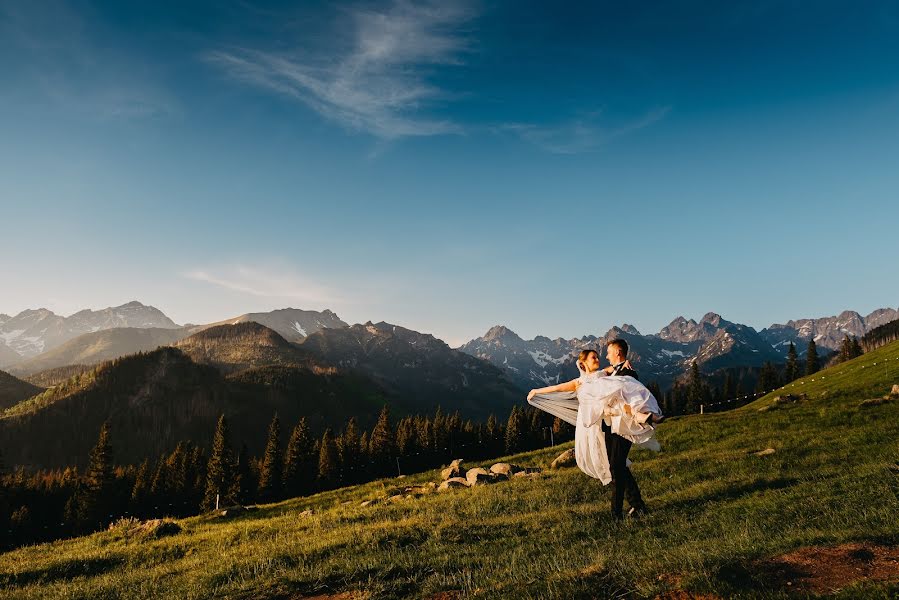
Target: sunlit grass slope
[(717, 510)]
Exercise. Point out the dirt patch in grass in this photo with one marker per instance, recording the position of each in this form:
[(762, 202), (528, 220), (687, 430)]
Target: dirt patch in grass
[(823, 570)]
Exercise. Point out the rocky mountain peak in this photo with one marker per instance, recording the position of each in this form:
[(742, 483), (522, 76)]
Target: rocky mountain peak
[(501, 333), (713, 319), (628, 328)]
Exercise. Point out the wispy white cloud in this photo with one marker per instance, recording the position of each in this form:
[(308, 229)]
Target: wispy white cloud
[(579, 135), (262, 282), (379, 83)]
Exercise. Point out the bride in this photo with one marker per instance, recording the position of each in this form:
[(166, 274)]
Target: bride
[(607, 406)]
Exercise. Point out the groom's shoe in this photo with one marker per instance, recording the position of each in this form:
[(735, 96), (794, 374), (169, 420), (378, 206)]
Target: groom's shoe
[(637, 512)]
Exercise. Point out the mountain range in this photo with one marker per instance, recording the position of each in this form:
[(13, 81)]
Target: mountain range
[(159, 383), (248, 372), (713, 342), (33, 332)]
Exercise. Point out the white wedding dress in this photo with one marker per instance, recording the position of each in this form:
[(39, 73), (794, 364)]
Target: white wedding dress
[(600, 398)]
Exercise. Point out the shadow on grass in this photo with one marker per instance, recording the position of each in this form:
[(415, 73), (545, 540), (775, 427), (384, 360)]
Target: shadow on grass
[(734, 492), (403, 582), (67, 569)]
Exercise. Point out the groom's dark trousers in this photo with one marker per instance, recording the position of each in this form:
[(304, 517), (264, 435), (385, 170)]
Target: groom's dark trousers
[(623, 483)]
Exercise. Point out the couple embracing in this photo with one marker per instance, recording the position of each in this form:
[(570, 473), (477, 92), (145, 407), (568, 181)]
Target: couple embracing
[(613, 412)]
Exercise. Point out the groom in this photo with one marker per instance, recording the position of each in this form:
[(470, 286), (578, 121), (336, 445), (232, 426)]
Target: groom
[(623, 483)]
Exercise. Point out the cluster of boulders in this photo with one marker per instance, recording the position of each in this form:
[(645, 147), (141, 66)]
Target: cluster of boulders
[(457, 476), (888, 399)]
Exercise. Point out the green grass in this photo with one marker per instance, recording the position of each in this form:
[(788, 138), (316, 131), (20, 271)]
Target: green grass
[(717, 510)]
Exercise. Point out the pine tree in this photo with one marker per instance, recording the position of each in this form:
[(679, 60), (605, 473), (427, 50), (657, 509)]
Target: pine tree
[(327, 460), (856, 349), (94, 502), (382, 443), (767, 379), (405, 437), (220, 473), (811, 359), (694, 390), (140, 492), (298, 461), (271, 474), (729, 391), (245, 485), (514, 433), (348, 449), (845, 349), (792, 371)]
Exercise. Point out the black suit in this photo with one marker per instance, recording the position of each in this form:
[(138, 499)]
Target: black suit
[(617, 448)]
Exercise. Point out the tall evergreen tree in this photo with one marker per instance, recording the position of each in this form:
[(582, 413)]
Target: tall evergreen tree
[(856, 349), (845, 349), (405, 437), (98, 480), (246, 488), (811, 359), (694, 389), (271, 473), (729, 391), (382, 444), (792, 371), (140, 492), (348, 447), (299, 469), (514, 431), (767, 378), (220, 472), (328, 467)]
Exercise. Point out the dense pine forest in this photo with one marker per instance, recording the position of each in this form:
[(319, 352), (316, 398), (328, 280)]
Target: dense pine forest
[(52, 504)]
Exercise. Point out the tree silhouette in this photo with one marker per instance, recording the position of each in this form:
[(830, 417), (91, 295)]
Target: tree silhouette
[(328, 467), (270, 475), (95, 497), (220, 473), (298, 461), (811, 358), (382, 443), (792, 371)]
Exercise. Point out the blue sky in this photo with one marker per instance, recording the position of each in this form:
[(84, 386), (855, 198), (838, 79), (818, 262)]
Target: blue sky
[(451, 166)]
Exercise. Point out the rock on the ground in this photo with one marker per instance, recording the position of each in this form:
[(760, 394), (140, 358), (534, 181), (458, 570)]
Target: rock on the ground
[(453, 482), (765, 452), (368, 502), (453, 470), (566, 459), (479, 475), (895, 390), (505, 469)]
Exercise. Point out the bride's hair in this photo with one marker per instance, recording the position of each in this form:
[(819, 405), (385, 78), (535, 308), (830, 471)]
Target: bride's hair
[(583, 356)]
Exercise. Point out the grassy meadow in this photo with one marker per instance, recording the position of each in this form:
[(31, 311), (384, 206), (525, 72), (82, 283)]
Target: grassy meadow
[(720, 516)]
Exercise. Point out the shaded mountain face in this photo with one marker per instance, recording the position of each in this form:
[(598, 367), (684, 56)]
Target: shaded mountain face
[(417, 369), (14, 390), (99, 346), (292, 324), (154, 400), (32, 332), (828, 332), (232, 348)]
